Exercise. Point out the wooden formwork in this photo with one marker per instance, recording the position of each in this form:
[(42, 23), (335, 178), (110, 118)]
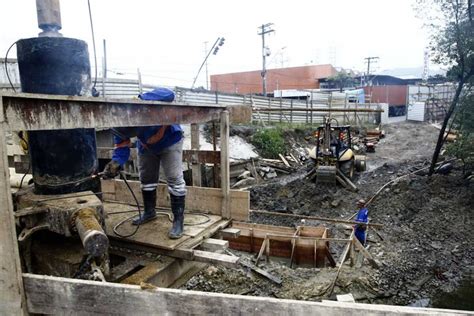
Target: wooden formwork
[(284, 242)]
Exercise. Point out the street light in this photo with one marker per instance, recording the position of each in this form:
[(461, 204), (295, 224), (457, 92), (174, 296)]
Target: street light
[(214, 49)]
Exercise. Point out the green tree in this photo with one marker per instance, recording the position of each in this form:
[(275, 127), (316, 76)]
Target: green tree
[(452, 45), (341, 79)]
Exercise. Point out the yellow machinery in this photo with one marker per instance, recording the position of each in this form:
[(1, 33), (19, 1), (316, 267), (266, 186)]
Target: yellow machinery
[(335, 158)]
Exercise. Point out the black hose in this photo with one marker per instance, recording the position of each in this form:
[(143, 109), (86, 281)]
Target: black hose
[(128, 218)]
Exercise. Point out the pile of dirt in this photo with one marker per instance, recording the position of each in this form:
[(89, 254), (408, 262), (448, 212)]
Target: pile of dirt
[(427, 244)]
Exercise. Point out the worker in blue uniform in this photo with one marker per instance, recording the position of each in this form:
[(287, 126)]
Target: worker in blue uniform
[(360, 231), (157, 145)]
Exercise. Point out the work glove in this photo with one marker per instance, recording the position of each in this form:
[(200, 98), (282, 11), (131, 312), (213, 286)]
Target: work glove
[(111, 170)]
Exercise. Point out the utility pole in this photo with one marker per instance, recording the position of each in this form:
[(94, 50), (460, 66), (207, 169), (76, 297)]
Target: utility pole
[(368, 67), (105, 60), (264, 29), (207, 73)]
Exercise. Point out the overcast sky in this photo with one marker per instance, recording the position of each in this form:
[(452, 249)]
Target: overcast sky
[(165, 39)]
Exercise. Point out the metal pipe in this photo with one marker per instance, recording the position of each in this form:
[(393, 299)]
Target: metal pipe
[(49, 18), (92, 235)]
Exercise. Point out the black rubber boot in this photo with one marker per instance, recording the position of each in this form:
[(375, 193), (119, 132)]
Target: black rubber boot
[(149, 200), (177, 207)]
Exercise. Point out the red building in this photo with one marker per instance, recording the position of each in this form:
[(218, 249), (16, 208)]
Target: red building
[(250, 82)]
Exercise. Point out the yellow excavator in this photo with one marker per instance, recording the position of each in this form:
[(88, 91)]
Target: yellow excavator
[(334, 155)]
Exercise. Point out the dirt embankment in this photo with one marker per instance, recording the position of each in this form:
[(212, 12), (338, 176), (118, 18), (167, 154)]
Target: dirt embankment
[(427, 247)]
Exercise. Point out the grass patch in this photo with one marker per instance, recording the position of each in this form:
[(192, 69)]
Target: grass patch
[(269, 142)]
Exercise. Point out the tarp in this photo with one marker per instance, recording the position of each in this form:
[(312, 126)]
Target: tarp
[(158, 94)]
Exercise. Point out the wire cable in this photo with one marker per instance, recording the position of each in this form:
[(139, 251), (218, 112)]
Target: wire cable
[(6, 65), (94, 91), (170, 218), (23, 178)]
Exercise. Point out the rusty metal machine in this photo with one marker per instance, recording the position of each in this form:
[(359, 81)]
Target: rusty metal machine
[(63, 162)]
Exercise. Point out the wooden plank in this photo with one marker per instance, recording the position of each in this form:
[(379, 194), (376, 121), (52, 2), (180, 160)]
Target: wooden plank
[(164, 273), (196, 166), (230, 233), (341, 263), (215, 258), (202, 156), (25, 111), (60, 296), (11, 288), (240, 113), (209, 232), (205, 200), (212, 244), (226, 212), (155, 233), (284, 160), (262, 272)]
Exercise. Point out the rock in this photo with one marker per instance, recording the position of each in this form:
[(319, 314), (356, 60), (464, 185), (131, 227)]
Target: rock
[(244, 182), (445, 169), (271, 175), (244, 175), (335, 203), (436, 245), (423, 302), (265, 169)]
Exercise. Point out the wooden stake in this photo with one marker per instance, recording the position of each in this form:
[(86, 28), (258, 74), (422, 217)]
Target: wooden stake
[(12, 300), (341, 262), (260, 253), (225, 167)]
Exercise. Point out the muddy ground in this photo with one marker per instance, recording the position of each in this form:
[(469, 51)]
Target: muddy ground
[(427, 248)]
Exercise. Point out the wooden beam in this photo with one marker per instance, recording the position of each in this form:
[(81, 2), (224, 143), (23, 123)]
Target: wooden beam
[(230, 233), (215, 245), (196, 166), (54, 295), (11, 285), (47, 112), (225, 165), (216, 258)]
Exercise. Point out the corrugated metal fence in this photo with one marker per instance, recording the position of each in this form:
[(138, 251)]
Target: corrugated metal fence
[(287, 111)]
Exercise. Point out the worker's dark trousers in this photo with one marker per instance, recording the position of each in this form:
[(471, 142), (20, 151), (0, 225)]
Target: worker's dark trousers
[(171, 160)]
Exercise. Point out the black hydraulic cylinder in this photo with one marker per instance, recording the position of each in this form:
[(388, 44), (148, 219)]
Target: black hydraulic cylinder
[(62, 161)]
